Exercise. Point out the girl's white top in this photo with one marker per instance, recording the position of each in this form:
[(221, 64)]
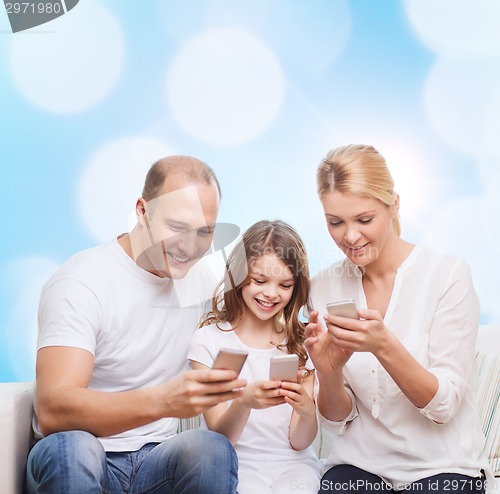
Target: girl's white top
[(264, 443)]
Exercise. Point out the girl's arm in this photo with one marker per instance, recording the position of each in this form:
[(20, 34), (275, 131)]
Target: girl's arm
[(303, 424), (230, 420)]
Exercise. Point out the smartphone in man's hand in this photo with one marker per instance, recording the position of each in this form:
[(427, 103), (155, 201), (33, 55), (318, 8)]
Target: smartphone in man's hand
[(230, 359)]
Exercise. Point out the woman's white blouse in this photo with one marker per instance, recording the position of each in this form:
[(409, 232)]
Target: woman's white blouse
[(434, 312)]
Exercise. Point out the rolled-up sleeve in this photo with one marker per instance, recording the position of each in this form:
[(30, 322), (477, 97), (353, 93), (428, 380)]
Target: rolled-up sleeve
[(452, 342), (339, 427)]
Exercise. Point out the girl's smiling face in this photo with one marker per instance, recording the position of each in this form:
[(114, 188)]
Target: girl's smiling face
[(270, 287), (360, 226)]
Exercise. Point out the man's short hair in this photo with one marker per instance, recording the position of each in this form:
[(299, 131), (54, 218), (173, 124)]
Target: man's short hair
[(192, 168)]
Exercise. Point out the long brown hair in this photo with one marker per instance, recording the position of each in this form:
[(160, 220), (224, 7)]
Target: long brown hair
[(263, 237)]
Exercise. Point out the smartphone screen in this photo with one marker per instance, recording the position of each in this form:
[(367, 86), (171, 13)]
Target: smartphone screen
[(230, 359), (344, 308), (284, 368)]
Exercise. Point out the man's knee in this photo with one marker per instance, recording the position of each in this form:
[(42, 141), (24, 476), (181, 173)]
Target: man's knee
[(200, 441), (208, 460), (65, 455)]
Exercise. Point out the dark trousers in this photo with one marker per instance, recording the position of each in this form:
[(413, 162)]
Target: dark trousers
[(352, 480)]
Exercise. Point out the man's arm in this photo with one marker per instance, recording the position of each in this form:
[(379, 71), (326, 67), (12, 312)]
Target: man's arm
[(64, 401)]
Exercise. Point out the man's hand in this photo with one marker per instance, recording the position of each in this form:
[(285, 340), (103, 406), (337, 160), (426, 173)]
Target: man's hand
[(64, 401), (194, 391)]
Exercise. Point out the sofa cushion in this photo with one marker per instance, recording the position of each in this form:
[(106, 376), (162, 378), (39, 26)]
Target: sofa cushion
[(488, 406), (16, 411)]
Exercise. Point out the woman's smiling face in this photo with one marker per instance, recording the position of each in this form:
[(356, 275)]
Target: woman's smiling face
[(360, 226)]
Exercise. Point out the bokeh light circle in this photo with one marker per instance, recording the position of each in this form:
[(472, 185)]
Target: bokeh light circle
[(457, 97), (112, 181), (225, 87), (26, 277), (449, 27), (75, 65)]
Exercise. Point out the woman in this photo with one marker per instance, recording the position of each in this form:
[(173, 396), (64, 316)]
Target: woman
[(394, 384)]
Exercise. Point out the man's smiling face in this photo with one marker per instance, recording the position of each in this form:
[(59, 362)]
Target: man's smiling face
[(177, 226)]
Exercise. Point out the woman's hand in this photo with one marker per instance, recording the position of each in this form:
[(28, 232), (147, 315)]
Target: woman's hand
[(367, 334), (323, 349)]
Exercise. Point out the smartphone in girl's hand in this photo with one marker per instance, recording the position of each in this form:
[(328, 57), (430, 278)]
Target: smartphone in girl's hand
[(284, 368)]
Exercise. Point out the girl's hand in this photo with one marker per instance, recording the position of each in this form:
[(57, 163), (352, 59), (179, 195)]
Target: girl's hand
[(262, 394), (296, 395), (326, 355), (368, 334)]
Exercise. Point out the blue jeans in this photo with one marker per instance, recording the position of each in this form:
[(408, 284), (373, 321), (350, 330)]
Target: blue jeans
[(348, 479), (74, 462)]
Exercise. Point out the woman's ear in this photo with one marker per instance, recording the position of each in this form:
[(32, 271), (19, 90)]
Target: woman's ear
[(395, 206)]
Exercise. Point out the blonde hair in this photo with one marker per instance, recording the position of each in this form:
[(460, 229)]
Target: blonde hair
[(357, 169), (263, 237)]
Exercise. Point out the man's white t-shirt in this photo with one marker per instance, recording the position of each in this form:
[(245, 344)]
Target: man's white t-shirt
[(128, 319)]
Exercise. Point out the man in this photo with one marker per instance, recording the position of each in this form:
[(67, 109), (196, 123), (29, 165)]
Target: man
[(110, 374)]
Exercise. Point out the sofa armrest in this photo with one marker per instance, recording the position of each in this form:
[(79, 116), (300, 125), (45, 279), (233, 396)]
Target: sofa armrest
[(16, 412)]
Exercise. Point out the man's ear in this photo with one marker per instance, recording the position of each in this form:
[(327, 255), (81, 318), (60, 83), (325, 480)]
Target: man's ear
[(141, 211)]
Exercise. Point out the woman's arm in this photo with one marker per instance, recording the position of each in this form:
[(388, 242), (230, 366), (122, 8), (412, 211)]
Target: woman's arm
[(369, 334), (415, 381), (438, 388)]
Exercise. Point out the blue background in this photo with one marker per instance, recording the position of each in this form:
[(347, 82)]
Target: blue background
[(261, 91)]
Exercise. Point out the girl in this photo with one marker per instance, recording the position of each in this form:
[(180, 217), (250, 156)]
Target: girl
[(394, 385), (256, 309)]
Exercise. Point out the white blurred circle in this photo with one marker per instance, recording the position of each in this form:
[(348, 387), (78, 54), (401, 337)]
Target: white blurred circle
[(492, 124), (486, 277), (225, 87), (26, 277), (408, 163), (412, 177), (75, 65), (457, 96), (488, 165), (180, 19), (492, 212), (459, 228), (112, 181), (468, 228), (309, 39), (456, 26)]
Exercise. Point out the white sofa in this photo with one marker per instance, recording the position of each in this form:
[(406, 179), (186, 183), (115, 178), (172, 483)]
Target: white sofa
[(16, 410)]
